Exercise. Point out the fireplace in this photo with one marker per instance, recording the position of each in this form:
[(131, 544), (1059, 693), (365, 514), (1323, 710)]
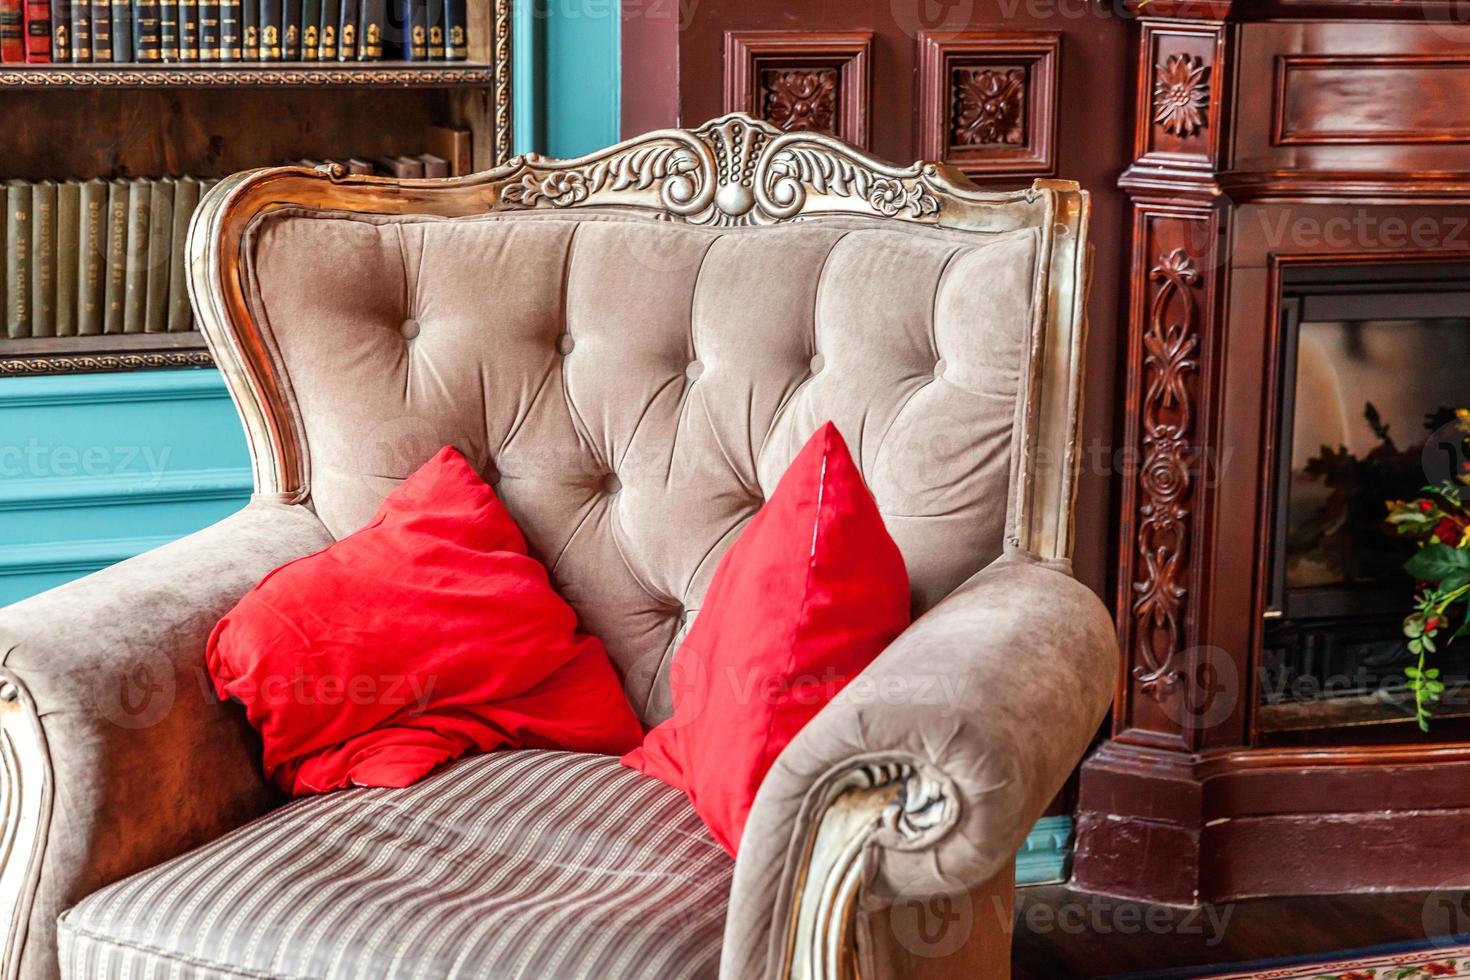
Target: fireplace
[(1300, 202), (1373, 364)]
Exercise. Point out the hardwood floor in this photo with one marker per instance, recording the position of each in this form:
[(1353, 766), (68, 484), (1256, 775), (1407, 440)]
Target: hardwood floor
[(1064, 933)]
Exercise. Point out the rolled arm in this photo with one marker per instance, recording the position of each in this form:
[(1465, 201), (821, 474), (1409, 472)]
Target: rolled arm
[(924, 775), (115, 753)]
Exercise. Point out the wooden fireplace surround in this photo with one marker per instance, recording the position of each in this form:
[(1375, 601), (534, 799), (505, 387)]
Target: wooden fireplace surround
[(1269, 135)]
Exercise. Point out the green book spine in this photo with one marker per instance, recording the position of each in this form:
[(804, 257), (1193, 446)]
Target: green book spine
[(92, 256), (189, 30), (81, 31), (231, 42), (101, 30), (168, 30), (186, 199), (160, 240), (68, 230), (43, 259), (115, 274), (135, 290), (208, 30), (17, 258), (122, 31), (331, 14), (311, 29)]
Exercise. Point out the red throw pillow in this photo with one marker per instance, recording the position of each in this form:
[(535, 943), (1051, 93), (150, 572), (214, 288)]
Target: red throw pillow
[(427, 634), (810, 593)]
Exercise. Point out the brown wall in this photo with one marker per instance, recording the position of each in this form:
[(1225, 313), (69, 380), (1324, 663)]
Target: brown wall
[(1086, 110)]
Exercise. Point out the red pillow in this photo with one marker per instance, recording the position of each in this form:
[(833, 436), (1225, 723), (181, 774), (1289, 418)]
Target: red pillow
[(810, 593), (427, 634)]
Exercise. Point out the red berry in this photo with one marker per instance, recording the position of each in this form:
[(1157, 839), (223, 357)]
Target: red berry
[(1425, 506)]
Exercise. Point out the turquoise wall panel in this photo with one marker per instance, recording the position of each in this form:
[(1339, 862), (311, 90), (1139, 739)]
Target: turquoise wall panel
[(567, 75), (97, 468)]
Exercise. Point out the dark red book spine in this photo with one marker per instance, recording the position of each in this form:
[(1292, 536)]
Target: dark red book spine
[(12, 32), (38, 31)]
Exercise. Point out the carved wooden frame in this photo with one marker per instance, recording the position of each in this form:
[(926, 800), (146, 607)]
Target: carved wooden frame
[(749, 53), (1036, 55), (25, 814), (734, 170)]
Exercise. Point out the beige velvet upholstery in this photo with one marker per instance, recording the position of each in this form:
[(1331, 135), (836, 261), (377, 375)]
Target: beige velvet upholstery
[(637, 388), (631, 346)]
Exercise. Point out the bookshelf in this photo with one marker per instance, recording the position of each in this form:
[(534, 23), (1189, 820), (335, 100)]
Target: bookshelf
[(208, 119)]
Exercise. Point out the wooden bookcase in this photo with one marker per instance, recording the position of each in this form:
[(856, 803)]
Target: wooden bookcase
[(211, 119)]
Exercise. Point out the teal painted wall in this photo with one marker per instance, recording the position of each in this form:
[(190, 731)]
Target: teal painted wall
[(98, 468), (567, 77)]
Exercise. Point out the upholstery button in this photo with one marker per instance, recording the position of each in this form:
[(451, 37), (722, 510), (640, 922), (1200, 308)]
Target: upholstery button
[(564, 344), (611, 483), (940, 368), (817, 363), (694, 370), (409, 328)]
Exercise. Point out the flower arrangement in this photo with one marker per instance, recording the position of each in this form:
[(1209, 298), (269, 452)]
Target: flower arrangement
[(1440, 521)]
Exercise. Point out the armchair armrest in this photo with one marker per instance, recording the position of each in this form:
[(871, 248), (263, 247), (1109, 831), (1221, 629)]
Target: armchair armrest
[(923, 776), (114, 753)]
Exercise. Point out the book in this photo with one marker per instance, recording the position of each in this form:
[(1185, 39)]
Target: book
[(370, 29), (434, 21), (360, 167), (122, 30), (231, 43), (12, 31), (188, 30), (454, 146), (400, 166), (414, 18), (81, 31), (186, 199), (135, 260), (433, 166), (68, 229), (37, 15), (101, 30), (43, 259), (250, 30), (291, 30), (147, 31), (114, 272), (92, 257), (456, 30), (168, 29), (17, 258), (271, 14), (347, 30), (311, 29), (208, 30), (161, 246), (327, 30)]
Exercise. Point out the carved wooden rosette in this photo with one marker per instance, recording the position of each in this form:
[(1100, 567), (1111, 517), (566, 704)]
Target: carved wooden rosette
[(812, 81), (987, 100)]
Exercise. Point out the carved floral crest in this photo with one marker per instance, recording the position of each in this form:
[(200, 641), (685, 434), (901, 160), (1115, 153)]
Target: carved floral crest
[(733, 170)]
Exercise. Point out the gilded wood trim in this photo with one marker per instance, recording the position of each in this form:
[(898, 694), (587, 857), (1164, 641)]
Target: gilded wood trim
[(25, 814), (249, 76), (734, 170)]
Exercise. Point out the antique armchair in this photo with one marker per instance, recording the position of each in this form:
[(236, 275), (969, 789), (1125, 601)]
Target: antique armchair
[(631, 346)]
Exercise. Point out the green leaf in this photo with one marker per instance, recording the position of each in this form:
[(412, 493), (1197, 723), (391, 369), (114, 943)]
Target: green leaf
[(1455, 580), (1436, 561)]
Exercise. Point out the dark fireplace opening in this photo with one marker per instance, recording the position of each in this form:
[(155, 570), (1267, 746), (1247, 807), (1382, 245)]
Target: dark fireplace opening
[(1374, 363)]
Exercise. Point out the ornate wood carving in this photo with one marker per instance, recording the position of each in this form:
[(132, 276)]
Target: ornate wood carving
[(26, 792), (793, 99), (1170, 341), (990, 107), (252, 76), (1181, 94), (987, 100), (11, 365), (502, 56), (815, 81)]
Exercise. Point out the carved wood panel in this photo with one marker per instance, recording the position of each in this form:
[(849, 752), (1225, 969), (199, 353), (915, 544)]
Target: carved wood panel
[(1182, 77), (801, 80), (1169, 352), (987, 100)]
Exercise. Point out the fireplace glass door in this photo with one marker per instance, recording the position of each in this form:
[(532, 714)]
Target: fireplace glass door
[(1373, 370)]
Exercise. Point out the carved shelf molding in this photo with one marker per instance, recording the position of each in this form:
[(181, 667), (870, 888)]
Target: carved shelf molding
[(811, 81), (987, 101), (105, 352), (284, 75)]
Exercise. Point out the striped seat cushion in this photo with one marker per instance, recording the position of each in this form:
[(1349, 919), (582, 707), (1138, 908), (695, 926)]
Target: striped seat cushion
[(523, 864)]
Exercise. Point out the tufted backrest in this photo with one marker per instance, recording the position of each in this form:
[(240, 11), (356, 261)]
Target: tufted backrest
[(634, 387)]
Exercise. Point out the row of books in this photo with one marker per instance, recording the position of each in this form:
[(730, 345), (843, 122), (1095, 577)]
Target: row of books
[(155, 31), (423, 165), (97, 256)]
